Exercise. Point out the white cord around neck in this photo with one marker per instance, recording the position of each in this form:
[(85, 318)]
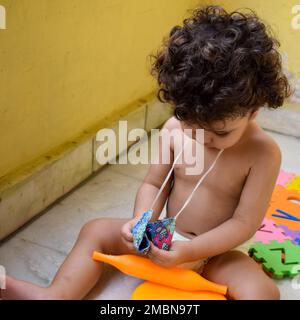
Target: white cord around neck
[(167, 177), (195, 188), (198, 183)]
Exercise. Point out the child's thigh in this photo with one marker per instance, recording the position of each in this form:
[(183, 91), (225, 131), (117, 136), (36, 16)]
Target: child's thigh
[(104, 234), (244, 278)]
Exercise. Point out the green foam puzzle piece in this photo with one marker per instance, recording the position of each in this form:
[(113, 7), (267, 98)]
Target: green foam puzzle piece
[(271, 257)]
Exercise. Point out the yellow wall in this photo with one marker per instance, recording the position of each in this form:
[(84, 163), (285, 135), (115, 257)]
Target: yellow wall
[(67, 64)]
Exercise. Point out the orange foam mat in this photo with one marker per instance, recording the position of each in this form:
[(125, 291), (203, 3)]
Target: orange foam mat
[(282, 199)]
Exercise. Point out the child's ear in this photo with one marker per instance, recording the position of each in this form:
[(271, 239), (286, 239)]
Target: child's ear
[(253, 114)]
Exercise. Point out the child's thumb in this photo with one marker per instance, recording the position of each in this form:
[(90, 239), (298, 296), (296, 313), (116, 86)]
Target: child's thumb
[(126, 233)]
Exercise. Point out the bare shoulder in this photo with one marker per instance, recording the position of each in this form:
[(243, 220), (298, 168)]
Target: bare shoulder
[(263, 147), (172, 123), (159, 169)]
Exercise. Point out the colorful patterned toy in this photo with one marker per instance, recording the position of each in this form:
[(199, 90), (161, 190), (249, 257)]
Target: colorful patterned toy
[(160, 232)]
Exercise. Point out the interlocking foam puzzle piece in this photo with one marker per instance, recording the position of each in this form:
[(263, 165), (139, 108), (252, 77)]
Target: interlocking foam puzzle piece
[(294, 184), (281, 201), (271, 257), (276, 195), (284, 178), (294, 234), (269, 231)]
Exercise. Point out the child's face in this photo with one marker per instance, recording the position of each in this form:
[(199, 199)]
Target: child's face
[(222, 136)]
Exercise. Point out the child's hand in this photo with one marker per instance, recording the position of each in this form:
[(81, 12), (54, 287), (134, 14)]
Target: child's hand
[(178, 254), (126, 234)]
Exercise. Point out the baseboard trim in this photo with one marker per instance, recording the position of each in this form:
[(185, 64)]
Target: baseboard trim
[(27, 192)]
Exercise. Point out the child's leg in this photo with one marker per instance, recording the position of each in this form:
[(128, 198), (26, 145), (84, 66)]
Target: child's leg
[(243, 276), (79, 273)]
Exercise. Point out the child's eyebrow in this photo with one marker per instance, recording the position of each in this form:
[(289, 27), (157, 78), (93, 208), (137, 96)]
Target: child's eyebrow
[(221, 131), (218, 131)]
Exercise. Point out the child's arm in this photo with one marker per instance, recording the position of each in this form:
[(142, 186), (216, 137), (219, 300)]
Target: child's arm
[(154, 179), (250, 211), (150, 187)]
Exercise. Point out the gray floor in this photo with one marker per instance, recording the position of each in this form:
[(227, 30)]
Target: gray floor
[(35, 252)]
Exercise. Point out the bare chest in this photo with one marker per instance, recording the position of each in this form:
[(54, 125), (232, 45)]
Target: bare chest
[(216, 198)]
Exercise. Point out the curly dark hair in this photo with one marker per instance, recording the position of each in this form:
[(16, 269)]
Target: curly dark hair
[(219, 65)]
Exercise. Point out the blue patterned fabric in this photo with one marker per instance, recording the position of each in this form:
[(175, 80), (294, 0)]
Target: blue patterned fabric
[(140, 240), (159, 232)]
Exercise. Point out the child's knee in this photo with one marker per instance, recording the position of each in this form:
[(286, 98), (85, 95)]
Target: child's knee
[(96, 230), (260, 290), (91, 227), (104, 233), (274, 293)]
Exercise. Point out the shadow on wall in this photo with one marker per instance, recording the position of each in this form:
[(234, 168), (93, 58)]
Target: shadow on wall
[(296, 96), (293, 79), (2, 17)]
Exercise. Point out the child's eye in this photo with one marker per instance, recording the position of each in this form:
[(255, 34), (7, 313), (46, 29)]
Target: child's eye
[(222, 134)]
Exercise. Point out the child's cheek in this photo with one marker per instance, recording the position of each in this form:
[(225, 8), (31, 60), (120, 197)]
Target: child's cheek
[(227, 142)]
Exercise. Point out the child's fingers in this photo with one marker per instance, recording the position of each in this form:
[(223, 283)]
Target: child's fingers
[(129, 245), (126, 233), (128, 236), (154, 252), (157, 261), (159, 256)]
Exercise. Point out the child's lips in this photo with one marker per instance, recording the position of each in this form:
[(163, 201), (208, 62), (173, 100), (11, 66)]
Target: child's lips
[(210, 147)]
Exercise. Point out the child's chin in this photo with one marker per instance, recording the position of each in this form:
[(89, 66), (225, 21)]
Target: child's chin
[(210, 147)]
